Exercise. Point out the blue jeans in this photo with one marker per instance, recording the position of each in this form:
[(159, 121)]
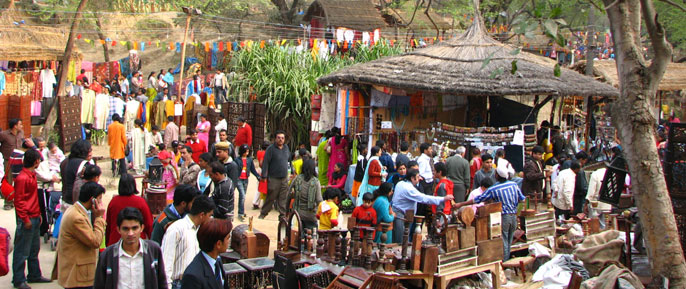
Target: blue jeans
[(509, 225), (26, 247), (242, 187), (176, 284)]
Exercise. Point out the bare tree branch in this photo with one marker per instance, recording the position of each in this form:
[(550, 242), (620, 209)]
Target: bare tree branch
[(675, 4), (656, 32), (428, 6), (611, 4)]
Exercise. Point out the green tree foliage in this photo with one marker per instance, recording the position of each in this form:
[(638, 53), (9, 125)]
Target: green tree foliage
[(673, 20)]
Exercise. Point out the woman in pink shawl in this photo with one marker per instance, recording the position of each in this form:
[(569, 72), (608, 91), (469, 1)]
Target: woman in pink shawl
[(339, 152), (203, 129)]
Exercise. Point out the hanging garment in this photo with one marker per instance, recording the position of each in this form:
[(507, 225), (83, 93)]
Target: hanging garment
[(148, 114), (134, 61), (169, 111), (132, 107), (125, 66), (140, 141), (102, 71), (160, 114), (87, 106), (47, 77), (101, 111), (2, 81)]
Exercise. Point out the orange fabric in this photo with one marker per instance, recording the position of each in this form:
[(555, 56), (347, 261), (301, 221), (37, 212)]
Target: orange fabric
[(116, 138)]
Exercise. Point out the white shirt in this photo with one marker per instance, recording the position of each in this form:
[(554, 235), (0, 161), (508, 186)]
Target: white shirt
[(131, 269), (221, 125), (218, 79), (502, 162), (594, 185), (425, 171), (179, 247), (213, 265), (565, 182)]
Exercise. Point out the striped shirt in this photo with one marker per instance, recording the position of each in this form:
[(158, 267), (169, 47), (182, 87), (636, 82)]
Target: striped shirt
[(507, 193), (179, 247)]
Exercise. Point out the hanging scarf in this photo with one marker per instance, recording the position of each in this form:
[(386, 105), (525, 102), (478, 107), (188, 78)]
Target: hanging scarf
[(364, 186)]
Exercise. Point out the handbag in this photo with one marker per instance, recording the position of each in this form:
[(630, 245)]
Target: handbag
[(7, 190)]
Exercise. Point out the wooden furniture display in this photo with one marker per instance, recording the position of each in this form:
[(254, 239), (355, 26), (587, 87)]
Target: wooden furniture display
[(519, 264), (249, 243), (259, 271), (156, 198), (350, 278), (484, 222), (442, 280), (457, 260), (490, 250), (541, 224), (388, 281), (314, 275), (235, 274)]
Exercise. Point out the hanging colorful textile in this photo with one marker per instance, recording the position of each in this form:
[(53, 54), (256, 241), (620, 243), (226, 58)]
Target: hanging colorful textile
[(115, 68), (102, 71), (125, 66), (135, 61)]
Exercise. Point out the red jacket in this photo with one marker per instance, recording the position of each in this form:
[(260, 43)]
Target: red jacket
[(198, 148), (26, 196), (365, 217), (117, 204), (243, 136)]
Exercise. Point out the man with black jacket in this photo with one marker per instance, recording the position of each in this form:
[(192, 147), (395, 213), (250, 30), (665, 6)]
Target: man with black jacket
[(581, 184), (230, 167), (132, 262), (222, 192)]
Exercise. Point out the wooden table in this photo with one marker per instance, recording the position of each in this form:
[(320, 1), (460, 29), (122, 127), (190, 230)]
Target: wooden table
[(494, 267)]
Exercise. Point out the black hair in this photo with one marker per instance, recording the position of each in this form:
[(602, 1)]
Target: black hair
[(202, 204), (500, 153), (127, 185), (185, 193), (581, 155), (80, 149), (476, 151), (188, 149), (91, 171), (207, 157), (424, 146), (361, 147), (440, 167), (193, 131), (278, 132), (265, 145), (575, 165), (90, 190), (538, 150), (30, 158), (224, 131), (217, 167), (380, 143), (51, 145), (404, 146), (368, 197), (375, 150), (486, 182), (383, 190), (154, 127), (412, 164), (308, 169), (13, 122), (138, 122), (331, 194), (170, 118), (411, 173), (241, 119), (83, 71), (116, 117), (486, 157), (302, 152), (129, 213), (243, 149)]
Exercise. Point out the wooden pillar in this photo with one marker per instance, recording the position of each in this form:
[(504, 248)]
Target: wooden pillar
[(590, 105)]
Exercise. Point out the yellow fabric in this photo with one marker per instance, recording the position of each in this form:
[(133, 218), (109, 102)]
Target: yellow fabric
[(148, 109), (169, 109), (325, 218), (298, 165)]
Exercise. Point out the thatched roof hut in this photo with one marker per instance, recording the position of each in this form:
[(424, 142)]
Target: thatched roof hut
[(465, 65), (606, 70), (29, 42), (357, 15), (400, 18)]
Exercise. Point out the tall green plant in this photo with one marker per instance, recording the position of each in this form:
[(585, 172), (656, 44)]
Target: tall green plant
[(284, 80)]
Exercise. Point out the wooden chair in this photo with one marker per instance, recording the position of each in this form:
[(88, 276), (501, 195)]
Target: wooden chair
[(575, 281), (519, 263), (350, 278)]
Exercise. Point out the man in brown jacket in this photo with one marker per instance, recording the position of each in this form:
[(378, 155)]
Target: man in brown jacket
[(534, 174), (77, 250)]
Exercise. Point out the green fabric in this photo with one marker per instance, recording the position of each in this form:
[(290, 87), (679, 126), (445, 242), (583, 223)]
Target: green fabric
[(354, 151), (312, 192), (323, 163)]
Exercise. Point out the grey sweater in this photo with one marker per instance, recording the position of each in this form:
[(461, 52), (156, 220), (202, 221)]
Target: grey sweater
[(276, 162)]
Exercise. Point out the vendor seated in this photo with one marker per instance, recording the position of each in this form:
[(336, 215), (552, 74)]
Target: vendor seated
[(338, 177)]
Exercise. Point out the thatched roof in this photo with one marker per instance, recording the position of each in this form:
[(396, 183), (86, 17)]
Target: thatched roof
[(455, 67), (673, 79), (400, 17), (357, 15), (29, 42)]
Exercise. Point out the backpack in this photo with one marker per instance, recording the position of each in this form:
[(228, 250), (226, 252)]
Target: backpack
[(4, 251)]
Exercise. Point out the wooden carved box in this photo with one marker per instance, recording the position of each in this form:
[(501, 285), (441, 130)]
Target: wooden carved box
[(249, 244)]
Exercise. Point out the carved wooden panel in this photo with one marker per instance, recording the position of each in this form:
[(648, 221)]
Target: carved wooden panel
[(675, 175), (70, 121)]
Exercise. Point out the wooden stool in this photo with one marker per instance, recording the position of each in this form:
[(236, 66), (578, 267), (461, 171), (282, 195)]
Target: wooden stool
[(519, 263)]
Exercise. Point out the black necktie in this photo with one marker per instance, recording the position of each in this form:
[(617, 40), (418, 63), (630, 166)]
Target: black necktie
[(218, 271)]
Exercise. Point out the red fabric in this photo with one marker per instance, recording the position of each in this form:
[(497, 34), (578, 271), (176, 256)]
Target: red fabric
[(374, 173), (26, 195), (117, 204), (5, 239), (474, 167), (448, 191), (338, 183), (243, 136), (198, 148), (260, 156), (81, 77), (244, 170), (364, 217)]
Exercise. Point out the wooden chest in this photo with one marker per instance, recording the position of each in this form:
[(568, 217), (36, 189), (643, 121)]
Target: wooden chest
[(156, 198), (249, 244), (235, 275), (313, 275), (259, 272)]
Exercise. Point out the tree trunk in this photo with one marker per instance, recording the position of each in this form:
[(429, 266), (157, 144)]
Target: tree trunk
[(636, 126), (105, 49), (64, 70)]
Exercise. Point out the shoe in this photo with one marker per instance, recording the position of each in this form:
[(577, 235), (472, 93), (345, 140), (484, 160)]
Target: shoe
[(22, 286), (241, 218), (261, 217), (40, 280), (255, 207)]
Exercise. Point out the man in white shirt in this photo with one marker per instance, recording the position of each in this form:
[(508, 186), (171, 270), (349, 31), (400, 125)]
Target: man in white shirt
[(221, 125), (131, 262), (564, 191), (180, 243), (425, 162), (597, 209), (219, 86)]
